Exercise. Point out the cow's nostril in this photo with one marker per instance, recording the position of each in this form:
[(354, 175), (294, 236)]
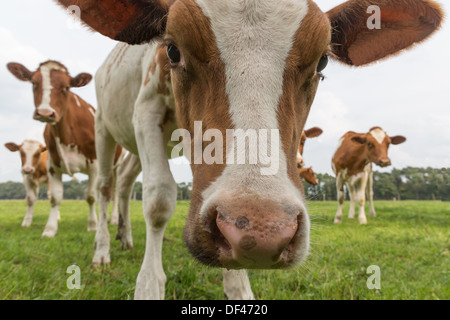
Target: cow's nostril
[(242, 222)]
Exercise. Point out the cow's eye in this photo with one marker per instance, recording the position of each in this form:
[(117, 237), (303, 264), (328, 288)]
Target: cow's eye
[(322, 63), (370, 145), (174, 54)]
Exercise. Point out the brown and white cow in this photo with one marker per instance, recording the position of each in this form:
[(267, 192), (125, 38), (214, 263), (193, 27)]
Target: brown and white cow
[(33, 156), (352, 164), (69, 134), (306, 134), (218, 66), (307, 174)]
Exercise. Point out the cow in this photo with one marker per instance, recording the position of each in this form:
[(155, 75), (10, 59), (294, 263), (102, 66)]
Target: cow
[(308, 175), (33, 156), (306, 134), (69, 132), (217, 66), (352, 165)]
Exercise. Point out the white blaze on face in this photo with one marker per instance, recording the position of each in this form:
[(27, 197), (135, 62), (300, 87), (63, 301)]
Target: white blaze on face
[(378, 134), (47, 87), (254, 38), (29, 147)]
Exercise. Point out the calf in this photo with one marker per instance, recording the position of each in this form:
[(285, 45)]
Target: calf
[(69, 133), (217, 67), (34, 171), (308, 175), (352, 164)]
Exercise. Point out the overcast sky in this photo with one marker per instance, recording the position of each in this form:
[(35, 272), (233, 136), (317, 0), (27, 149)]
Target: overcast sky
[(407, 95)]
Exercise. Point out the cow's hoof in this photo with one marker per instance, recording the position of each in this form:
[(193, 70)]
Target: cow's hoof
[(338, 221), (26, 224), (101, 260), (363, 221), (50, 233)]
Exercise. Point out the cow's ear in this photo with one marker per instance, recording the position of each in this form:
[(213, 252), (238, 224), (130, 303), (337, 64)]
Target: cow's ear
[(398, 140), (361, 139), (401, 25), (313, 132), (80, 80), (11, 146), (133, 21), (19, 71)]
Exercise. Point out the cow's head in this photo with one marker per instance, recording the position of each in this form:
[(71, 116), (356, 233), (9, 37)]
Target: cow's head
[(308, 175), (306, 134), (254, 65), (51, 87), (30, 154), (376, 145)]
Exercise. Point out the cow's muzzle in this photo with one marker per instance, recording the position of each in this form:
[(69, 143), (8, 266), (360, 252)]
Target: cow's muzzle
[(256, 234)]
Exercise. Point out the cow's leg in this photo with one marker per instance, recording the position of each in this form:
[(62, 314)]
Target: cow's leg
[(56, 196), (105, 148), (361, 191), (370, 194), (236, 285), (352, 193), (340, 196), (115, 205), (127, 174), (91, 196), (159, 195), (32, 194)]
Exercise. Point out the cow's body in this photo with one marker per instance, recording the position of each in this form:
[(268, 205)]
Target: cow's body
[(233, 65), (352, 165), (34, 171), (69, 134)]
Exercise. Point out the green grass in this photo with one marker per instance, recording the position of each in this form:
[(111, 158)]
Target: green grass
[(409, 241)]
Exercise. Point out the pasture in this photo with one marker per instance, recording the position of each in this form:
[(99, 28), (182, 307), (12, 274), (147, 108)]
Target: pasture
[(409, 241)]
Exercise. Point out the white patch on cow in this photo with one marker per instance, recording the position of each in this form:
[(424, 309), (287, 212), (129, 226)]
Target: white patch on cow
[(255, 60), (47, 87), (77, 100), (30, 147), (378, 134), (72, 161)]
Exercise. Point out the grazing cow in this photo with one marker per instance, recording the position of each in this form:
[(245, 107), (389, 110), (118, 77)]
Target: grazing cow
[(33, 155), (352, 164), (308, 175), (251, 66), (69, 133)]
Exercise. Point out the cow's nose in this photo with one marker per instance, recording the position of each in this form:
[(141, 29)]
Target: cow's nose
[(384, 162), (257, 235), (48, 114), (27, 170)]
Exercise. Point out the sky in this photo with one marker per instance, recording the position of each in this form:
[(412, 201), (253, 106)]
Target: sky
[(406, 95)]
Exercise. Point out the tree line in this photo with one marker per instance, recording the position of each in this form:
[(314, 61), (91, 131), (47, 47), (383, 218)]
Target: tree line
[(400, 184)]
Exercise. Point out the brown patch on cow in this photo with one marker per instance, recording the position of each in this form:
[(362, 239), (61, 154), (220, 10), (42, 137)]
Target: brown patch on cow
[(52, 171)]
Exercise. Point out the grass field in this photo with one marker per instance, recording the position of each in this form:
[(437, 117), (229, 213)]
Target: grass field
[(409, 241)]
